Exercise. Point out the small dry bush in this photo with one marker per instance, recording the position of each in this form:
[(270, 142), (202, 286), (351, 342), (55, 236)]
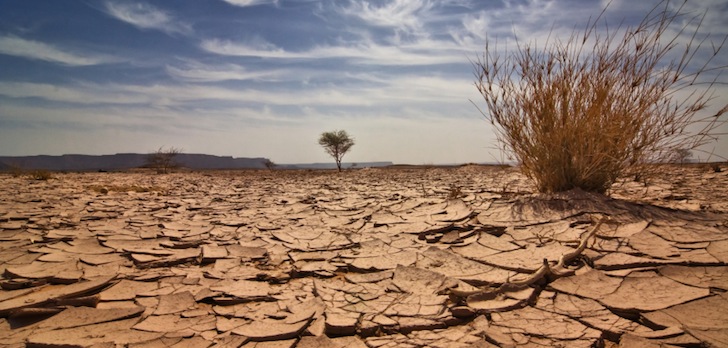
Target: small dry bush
[(39, 174), (454, 192), (582, 112), (163, 160), (16, 171)]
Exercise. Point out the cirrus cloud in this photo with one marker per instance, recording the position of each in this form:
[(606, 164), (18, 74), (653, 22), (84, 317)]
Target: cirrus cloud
[(145, 16), (15, 46), (246, 3)]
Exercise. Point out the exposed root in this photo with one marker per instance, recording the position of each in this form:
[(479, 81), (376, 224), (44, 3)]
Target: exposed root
[(545, 273)]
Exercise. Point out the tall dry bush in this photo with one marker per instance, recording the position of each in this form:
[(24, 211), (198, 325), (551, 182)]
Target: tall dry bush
[(581, 112), (163, 160)]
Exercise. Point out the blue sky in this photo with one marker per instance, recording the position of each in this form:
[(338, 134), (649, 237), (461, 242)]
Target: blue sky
[(263, 78)]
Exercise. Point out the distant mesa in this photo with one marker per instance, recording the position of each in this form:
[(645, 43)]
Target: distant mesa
[(124, 161)]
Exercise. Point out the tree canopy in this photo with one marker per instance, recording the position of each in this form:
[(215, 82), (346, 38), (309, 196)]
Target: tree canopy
[(336, 144)]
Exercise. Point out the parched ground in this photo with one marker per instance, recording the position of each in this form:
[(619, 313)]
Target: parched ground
[(438, 257)]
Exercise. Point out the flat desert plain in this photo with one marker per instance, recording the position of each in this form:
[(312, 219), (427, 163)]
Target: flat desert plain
[(407, 257)]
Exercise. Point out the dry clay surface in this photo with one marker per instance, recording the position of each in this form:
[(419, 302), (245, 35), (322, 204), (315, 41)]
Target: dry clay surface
[(440, 257)]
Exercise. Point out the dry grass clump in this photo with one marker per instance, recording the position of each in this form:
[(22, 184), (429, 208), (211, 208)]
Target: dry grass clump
[(16, 171), (39, 174), (600, 105)]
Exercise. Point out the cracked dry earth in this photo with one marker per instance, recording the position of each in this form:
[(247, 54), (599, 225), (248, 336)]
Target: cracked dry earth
[(440, 257)]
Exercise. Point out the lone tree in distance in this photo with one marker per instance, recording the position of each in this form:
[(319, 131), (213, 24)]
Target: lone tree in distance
[(269, 164), (336, 144), (163, 159)]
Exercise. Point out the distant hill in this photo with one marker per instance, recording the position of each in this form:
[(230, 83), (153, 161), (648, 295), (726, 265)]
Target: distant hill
[(123, 161)]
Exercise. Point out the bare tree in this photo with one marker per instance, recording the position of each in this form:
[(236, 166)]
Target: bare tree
[(336, 144), (682, 156), (601, 104), (163, 159)]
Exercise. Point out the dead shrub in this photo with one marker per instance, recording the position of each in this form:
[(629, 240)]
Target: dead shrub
[(582, 112), (39, 174), (163, 160), (454, 192), (16, 171)]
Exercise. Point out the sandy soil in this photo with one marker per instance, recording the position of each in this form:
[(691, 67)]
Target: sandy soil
[(438, 257)]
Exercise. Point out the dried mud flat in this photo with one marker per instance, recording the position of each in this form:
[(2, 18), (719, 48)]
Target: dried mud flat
[(443, 257)]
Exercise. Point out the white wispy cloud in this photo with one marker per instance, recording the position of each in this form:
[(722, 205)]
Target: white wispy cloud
[(362, 52), (402, 14), (166, 95), (414, 17), (534, 21), (248, 49), (246, 3), (477, 25), (371, 91), (83, 94), (197, 72), (145, 16), (30, 49)]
